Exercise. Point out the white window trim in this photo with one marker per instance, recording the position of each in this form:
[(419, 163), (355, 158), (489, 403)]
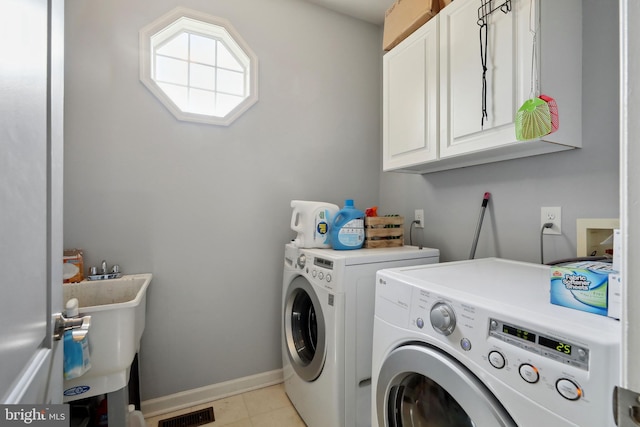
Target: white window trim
[(146, 61)]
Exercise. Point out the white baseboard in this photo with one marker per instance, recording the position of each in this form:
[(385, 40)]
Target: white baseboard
[(197, 396)]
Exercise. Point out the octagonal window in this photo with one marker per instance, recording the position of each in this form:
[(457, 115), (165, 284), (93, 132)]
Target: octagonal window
[(198, 67)]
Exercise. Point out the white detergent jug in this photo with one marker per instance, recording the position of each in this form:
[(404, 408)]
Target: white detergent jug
[(311, 220)]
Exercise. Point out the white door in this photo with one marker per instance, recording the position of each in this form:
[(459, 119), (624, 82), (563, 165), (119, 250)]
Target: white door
[(31, 93), (629, 198)]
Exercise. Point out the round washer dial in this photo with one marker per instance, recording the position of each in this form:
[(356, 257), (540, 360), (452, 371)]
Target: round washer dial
[(443, 318), (302, 260)]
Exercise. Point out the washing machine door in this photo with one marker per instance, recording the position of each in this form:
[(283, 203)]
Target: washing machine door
[(304, 329), (419, 385)]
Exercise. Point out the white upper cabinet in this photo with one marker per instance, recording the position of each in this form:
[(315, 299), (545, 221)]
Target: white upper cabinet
[(463, 138), (410, 100)]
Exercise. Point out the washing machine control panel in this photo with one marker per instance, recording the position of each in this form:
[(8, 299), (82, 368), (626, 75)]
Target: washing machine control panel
[(540, 344), (320, 270)]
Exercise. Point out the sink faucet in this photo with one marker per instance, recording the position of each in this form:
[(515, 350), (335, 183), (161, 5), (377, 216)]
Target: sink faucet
[(104, 272)]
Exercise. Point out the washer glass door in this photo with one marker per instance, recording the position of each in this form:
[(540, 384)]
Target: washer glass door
[(421, 386), (304, 329)]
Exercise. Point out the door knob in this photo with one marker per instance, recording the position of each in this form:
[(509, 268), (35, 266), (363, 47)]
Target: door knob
[(79, 327)]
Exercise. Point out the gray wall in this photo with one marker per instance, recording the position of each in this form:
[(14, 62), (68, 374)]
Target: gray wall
[(205, 208), (583, 182)]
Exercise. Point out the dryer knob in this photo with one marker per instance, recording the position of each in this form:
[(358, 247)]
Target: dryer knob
[(302, 260), (443, 318)]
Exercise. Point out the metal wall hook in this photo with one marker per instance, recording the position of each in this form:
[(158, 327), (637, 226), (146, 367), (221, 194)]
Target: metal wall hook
[(487, 8)]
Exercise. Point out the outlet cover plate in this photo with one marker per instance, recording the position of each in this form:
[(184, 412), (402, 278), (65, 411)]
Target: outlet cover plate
[(419, 216), (553, 215)]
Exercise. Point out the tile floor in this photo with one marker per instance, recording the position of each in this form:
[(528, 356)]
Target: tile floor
[(265, 407)]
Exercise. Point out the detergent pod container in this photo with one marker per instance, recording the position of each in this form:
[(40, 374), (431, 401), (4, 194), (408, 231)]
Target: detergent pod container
[(311, 220), (347, 228)]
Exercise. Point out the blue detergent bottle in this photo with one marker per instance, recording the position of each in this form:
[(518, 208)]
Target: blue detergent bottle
[(347, 230)]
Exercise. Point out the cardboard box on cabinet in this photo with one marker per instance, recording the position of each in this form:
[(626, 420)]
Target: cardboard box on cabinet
[(406, 16)]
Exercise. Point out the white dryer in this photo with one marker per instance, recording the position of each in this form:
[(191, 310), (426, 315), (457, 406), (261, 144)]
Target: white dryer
[(477, 343), (327, 302)]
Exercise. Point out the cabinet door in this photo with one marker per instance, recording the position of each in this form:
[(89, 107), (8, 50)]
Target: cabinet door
[(410, 100), (508, 76)]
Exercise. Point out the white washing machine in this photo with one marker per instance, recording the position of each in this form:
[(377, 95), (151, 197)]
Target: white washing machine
[(477, 343), (328, 300)]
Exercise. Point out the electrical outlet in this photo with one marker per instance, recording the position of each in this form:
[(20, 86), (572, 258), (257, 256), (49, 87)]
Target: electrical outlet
[(419, 216), (552, 215)]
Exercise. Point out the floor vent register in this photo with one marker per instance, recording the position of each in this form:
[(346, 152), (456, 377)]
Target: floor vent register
[(192, 419)]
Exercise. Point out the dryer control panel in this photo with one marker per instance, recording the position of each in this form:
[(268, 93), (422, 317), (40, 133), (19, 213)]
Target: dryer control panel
[(541, 344)]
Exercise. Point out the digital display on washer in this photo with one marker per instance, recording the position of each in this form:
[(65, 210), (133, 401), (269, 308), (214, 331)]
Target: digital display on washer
[(556, 345), (321, 262), (568, 353), (517, 332)]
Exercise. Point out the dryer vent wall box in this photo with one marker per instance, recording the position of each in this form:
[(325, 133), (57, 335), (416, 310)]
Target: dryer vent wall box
[(594, 236)]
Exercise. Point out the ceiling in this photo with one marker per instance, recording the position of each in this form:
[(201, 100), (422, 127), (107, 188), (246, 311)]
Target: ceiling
[(366, 10)]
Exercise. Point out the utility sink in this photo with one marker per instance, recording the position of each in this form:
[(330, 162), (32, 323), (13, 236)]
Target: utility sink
[(117, 308)]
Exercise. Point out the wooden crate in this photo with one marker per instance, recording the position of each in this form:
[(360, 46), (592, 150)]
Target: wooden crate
[(383, 231)]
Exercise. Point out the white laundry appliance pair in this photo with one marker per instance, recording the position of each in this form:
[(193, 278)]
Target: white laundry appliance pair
[(477, 343), (328, 304)]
